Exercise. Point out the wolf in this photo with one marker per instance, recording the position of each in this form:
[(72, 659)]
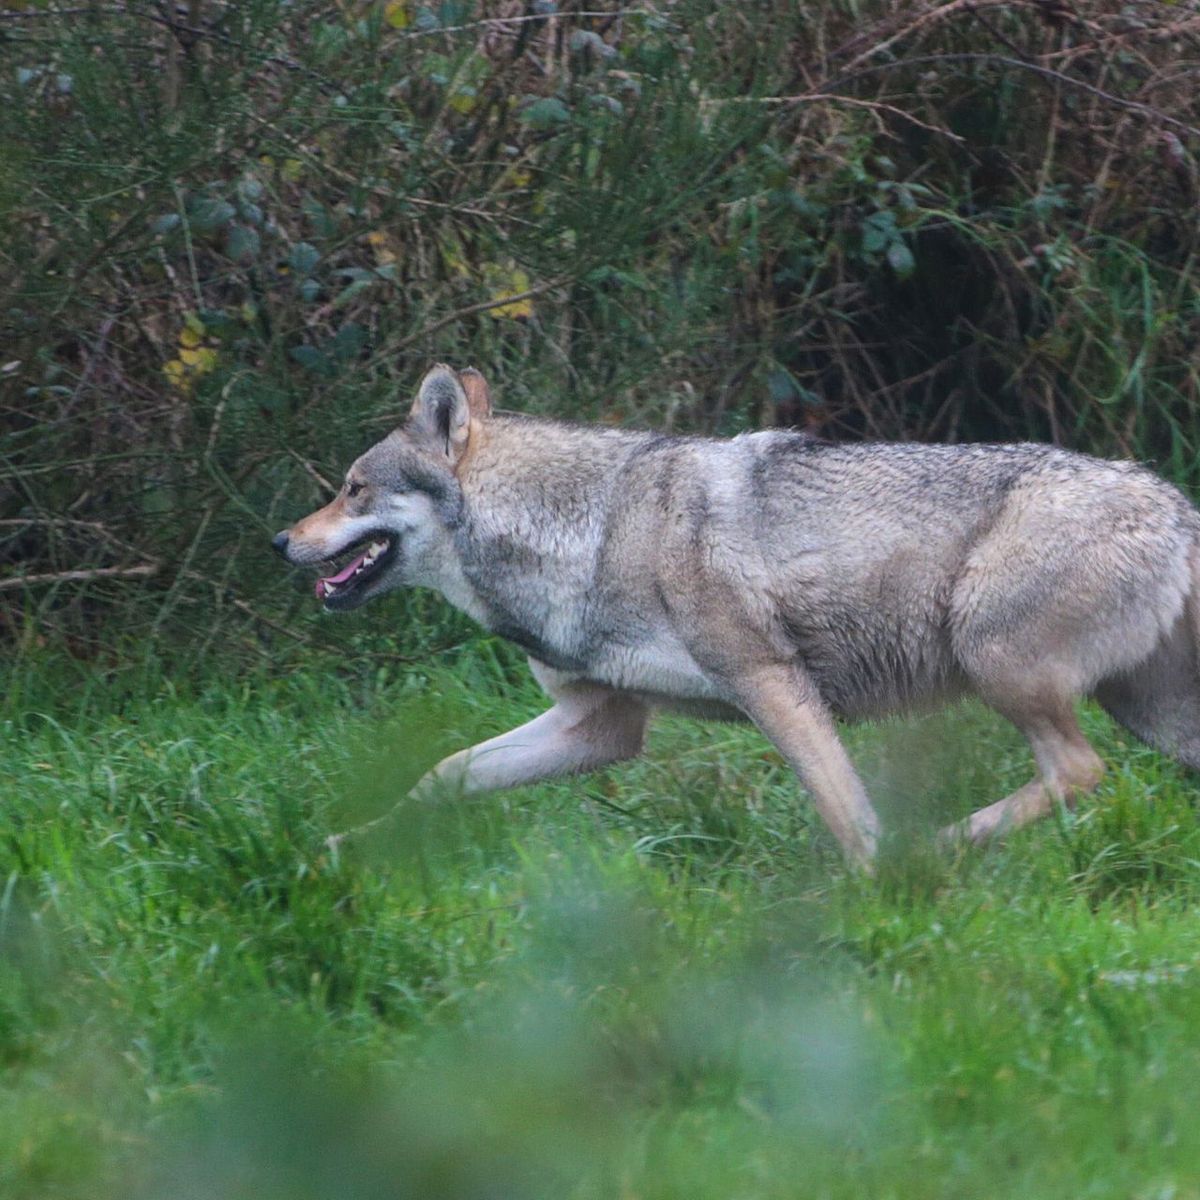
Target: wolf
[(781, 579)]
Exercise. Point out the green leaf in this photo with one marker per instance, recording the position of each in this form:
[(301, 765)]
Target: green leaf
[(207, 214), (348, 293), (453, 12), (304, 258), (216, 321), (606, 104), (323, 222), (312, 359), (165, 223), (249, 189), (901, 260), (546, 113), (879, 231), (783, 386), (242, 243), (348, 342)]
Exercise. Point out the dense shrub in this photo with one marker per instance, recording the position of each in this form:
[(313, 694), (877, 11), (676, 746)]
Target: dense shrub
[(233, 234)]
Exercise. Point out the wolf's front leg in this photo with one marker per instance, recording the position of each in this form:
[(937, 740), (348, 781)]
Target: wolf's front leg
[(589, 727), (785, 705)]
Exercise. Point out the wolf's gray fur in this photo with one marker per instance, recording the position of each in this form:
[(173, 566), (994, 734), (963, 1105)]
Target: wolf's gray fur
[(785, 580)]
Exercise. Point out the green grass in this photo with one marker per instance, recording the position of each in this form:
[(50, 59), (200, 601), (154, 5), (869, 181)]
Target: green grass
[(658, 981)]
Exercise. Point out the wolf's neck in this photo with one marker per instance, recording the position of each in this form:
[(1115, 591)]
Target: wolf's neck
[(537, 503)]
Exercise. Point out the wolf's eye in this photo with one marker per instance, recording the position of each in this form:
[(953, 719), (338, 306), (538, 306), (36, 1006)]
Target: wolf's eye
[(352, 489)]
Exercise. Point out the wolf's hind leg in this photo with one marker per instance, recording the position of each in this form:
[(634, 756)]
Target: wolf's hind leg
[(1067, 766), (1159, 701), (589, 727)]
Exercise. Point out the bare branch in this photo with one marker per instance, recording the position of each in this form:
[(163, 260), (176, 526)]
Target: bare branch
[(140, 572), (819, 97), (1002, 60)]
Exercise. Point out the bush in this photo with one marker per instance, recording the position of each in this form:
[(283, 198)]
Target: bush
[(234, 237)]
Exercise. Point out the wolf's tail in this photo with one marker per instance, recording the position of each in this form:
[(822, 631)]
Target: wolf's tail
[(1193, 600), (1159, 700)]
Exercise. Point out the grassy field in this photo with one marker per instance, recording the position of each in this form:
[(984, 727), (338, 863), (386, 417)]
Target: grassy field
[(655, 982)]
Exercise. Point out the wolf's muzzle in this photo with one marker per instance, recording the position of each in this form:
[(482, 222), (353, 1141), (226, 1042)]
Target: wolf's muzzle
[(280, 542)]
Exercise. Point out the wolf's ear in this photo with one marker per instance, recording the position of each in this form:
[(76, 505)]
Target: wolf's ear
[(479, 397), (441, 413)]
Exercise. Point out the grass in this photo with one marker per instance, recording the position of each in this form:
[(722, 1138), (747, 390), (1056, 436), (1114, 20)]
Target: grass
[(658, 981)]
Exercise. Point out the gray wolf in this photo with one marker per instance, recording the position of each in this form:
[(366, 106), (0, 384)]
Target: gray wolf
[(781, 579)]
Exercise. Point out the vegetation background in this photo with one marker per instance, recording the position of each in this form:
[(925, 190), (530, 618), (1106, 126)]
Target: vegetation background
[(232, 236)]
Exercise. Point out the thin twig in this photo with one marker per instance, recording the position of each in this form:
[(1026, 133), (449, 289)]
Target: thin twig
[(97, 350), (139, 572), (817, 97), (488, 22), (175, 26), (472, 309), (1002, 60), (24, 14), (937, 13), (222, 591), (321, 480), (73, 522)]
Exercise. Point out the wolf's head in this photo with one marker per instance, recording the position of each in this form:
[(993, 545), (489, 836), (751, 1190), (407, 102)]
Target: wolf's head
[(392, 521)]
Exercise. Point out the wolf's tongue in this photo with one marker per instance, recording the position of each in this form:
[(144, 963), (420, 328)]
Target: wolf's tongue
[(340, 577)]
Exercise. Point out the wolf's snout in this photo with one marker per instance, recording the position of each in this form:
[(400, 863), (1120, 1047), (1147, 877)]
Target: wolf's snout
[(280, 542)]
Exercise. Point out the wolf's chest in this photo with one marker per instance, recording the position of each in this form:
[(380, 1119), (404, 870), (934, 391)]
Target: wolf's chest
[(659, 664)]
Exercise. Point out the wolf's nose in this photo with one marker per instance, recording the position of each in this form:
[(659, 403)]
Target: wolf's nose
[(280, 541)]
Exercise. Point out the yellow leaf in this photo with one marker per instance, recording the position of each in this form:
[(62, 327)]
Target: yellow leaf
[(516, 177), (396, 14), (177, 377), (454, 258), (509, 280), (383, 246), (201, 361), (463, 102), (520, 310), (291, 169), (189, 338), (193, 322)]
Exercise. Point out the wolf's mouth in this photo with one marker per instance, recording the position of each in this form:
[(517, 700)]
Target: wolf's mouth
[(374, 553)]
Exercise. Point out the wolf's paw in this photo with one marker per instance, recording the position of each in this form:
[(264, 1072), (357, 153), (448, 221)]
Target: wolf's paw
[(335, 842)]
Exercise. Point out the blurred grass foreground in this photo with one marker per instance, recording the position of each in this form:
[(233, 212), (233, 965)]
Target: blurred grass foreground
[(655, 982), (232, 236)]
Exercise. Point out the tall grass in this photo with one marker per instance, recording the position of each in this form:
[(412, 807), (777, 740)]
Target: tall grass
[(654, 982)]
